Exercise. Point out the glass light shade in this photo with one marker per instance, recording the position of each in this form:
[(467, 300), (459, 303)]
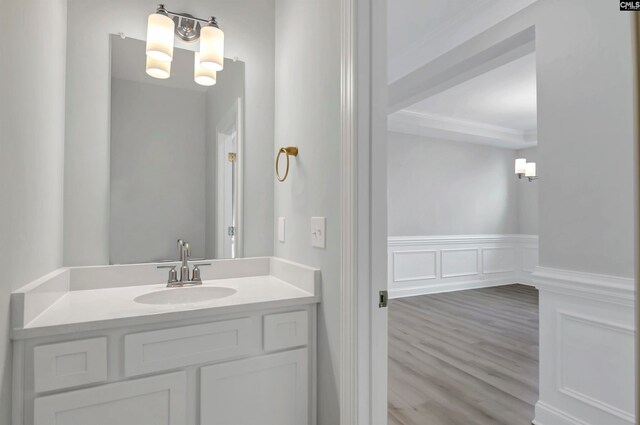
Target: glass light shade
[(202, 76), (212, 48), (160, 37), (158, 69), (530, 170), (521, 165)]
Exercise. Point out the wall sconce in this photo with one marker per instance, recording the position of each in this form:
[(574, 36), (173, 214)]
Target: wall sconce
[(163, 25), (526, 169)]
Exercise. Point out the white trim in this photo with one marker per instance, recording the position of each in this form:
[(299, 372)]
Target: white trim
[(363, 353), (548, 415), (449, 33), (499, 260), (587, 324), (612, 289), (561, 319), (462, 63), (348, 267), (447, 128), (476, 270), (449, 287), (394, 268), (460, 239)]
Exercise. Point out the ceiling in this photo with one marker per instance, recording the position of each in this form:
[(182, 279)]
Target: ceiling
[(412, 20), (497, 107), (503, 97), (421, 30)]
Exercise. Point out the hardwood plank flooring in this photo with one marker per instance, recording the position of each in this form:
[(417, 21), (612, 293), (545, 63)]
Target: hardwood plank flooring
[(464, 358)]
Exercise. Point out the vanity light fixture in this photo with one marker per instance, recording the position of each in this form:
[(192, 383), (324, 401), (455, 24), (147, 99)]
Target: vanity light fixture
[(201, 75), (158, 69), (526, 169), (212, 47), (163, 25), (160, 28)]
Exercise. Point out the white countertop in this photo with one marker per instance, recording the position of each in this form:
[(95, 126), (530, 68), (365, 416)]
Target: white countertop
[(108, 307)]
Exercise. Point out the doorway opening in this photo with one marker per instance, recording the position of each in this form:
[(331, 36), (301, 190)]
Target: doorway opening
[(462, 225)]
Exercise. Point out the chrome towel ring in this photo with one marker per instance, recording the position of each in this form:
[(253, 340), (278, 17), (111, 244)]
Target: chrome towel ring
[(289, 150)]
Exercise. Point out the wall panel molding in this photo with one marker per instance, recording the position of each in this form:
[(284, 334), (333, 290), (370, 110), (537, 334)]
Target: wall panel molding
[(419, 265), (586, 348)]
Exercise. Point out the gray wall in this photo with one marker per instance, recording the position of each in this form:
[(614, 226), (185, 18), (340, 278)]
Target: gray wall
[(32, 90), (308, 116), (441, 187), (528, 201), (249, 35), (158, 171), (586, 136)]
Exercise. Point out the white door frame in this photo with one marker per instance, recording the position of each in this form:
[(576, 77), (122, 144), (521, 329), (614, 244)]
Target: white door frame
[(363, 394), (231, 119)]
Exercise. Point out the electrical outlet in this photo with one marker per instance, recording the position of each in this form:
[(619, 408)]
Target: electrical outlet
[(318, 231), (281, 224)]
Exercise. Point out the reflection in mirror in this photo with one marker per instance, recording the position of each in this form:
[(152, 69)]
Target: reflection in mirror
[(176, 158)]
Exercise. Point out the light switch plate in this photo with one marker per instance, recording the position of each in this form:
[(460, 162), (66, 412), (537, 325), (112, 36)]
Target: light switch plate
[(281, 224), (318, 231)]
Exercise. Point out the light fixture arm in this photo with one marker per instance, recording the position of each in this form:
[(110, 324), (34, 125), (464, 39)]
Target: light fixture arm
[(211, 21)]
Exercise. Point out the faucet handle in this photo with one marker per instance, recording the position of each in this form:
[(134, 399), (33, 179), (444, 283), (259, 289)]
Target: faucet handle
[(173, 274), (196, 277)]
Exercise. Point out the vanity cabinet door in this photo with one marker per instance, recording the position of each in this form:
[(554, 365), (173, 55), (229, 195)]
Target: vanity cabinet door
[(158, 400), (265, 390)]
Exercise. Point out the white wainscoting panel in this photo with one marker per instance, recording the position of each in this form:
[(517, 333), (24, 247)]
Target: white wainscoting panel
[(459, 262), (499, 260), (587, 340), (429, 264), (415, 265)]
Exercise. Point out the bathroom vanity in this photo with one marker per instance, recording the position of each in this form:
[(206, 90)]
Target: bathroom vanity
[(112, 345)]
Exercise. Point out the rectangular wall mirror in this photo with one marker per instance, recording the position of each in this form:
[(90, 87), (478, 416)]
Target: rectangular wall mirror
[(176, 159)]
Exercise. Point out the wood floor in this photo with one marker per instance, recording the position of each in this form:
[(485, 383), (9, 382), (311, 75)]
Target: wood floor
[(464, 358)]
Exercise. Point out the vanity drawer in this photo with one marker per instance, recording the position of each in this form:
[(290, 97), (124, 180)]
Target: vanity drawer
[(69, 364), (147, 352), (285, 330)]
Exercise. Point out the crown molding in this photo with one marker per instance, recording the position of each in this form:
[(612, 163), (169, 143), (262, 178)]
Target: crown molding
[(447, 128)]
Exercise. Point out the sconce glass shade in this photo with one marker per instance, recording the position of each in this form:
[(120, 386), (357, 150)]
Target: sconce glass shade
[(212, 48), (521, 165), (202, 76), (158, 69), (160, 29), (530, 170)]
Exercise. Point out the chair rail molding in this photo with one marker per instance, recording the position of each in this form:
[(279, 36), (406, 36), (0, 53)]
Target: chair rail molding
[(587, 348), (419, 265)]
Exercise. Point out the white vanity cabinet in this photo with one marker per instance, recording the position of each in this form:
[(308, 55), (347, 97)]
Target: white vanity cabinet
[(265, 390), (255, 367), (158, 400)]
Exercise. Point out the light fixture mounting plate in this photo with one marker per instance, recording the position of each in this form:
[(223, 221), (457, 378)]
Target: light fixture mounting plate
[(187, 28)]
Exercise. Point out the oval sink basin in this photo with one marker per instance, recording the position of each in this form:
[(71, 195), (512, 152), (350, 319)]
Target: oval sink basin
[(185, 295)]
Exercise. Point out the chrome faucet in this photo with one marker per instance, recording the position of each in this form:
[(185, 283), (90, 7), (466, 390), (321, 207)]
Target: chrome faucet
[(184, 252)]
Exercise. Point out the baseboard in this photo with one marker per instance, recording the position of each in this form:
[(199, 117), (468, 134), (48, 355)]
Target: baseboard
[(548, 415), (420, 265), (446, 287)]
